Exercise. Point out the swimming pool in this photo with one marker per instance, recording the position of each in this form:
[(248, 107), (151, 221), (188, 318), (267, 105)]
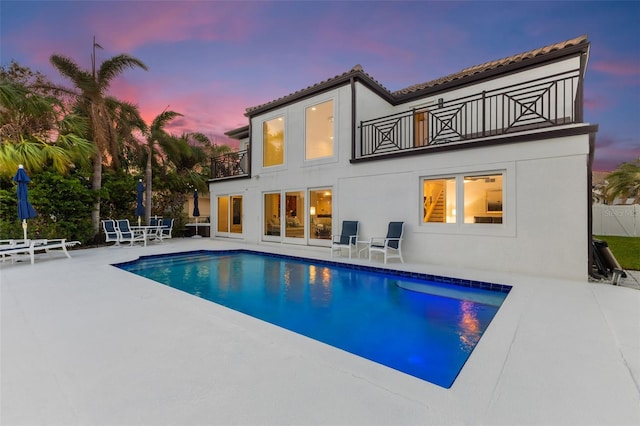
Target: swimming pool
[(413, 323)]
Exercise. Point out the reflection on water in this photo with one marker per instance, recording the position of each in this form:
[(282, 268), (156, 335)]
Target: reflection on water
[(469, 326)]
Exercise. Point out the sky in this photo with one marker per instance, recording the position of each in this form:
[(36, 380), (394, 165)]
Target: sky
[(211, 60)]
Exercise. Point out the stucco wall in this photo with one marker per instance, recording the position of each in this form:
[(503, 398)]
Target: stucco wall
[(545, 224)]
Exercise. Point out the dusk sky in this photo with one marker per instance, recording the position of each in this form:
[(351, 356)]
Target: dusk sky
[(210, 60)]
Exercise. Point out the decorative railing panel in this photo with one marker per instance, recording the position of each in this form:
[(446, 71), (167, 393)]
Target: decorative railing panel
[(232, 164), (544, 102)]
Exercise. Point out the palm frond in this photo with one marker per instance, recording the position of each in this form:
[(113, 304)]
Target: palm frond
[(114, 66)]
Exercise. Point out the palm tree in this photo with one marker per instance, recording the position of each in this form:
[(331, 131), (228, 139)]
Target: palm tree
[(91, 94), (624, 182), (35, 132), (156, 134)]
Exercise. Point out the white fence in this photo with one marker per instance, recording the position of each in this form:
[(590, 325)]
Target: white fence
[(623, 221)]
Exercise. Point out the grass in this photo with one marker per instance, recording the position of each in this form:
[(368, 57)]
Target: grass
[(625, 249)]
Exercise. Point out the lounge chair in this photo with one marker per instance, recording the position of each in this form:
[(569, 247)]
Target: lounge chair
[(30, 247), (111, 231), (126, 234), (11, 249), (348, 238), (391, 245)]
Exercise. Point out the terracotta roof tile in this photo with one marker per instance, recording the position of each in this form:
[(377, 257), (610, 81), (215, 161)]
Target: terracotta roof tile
[(477, 69)]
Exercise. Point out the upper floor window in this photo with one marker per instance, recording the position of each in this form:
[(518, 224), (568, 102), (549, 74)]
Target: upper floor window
[(319, 131), (273, 142)]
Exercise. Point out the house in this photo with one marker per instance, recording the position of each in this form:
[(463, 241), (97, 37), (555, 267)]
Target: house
[(489, 167)]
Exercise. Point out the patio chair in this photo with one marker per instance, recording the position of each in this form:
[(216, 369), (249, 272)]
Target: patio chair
[(165, 229), (391, 245), (111, 231), (125, 233), (348, 238)]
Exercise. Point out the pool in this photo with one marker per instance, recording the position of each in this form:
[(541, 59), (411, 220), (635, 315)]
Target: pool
[(421, 325)]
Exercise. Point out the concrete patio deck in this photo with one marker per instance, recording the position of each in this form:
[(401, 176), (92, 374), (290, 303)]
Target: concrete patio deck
[(84, 343)]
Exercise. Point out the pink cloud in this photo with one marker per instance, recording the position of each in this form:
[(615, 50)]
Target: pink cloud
[(174, 22), (617, 68)]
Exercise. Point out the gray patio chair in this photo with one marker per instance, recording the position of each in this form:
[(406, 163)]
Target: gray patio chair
[(391, 245), (126, 234), (348, 238), (111, 231)]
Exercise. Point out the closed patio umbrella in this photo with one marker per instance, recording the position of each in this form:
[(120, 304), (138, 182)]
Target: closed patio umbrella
[(196, 211), (25, 209), (139, 205)]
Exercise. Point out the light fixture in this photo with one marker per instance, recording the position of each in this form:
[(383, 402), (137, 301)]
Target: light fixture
[(312, 210)]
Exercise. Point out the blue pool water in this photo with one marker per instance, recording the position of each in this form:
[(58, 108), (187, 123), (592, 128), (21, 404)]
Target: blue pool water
[(424, 328)]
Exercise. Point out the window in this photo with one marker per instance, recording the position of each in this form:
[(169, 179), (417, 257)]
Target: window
[(230, 214), (320, 214), (483, 198), (464, 198), (319, 131), (273, 142), (439, 200)]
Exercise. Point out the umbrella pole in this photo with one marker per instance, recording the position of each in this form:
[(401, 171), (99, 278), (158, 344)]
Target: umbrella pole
[(196, 235), (24, 228)]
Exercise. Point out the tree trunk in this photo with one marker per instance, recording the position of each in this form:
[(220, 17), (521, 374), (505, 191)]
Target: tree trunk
[(96, 185), (148, 177)]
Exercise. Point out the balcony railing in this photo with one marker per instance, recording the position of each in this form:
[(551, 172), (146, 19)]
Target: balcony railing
[(231, 165), (544, 102)]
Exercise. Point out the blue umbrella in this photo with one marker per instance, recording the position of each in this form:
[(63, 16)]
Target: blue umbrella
[(196, 210), (25, 209), (140, 206)]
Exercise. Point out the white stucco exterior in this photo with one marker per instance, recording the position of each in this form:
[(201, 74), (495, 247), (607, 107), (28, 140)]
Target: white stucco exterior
[(545, 222)]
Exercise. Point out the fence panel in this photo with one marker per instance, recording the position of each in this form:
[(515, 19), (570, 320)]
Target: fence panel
[(622, 221)]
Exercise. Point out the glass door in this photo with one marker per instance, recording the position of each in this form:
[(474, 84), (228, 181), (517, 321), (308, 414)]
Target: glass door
[(320, 216), (295, 217)]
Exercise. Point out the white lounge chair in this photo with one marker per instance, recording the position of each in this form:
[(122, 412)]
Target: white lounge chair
[(30, 247), (348, 238), (391, 245)]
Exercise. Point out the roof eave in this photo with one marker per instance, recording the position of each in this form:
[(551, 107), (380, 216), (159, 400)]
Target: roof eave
[(339, 81)]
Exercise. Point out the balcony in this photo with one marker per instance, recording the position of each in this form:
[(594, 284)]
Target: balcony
[(231, 165), (535, 104)]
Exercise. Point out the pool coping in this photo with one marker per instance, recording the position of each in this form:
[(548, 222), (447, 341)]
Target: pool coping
[(483, 285)]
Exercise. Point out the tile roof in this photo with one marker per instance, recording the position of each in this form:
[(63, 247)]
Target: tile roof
[(357, 71), (477, 69)]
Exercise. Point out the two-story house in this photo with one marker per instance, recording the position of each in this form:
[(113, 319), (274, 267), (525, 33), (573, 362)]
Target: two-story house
[(489, 167)]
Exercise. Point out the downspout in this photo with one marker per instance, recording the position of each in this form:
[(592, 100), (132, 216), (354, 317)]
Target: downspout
[(250, 150), (592, 148), (353, 117)]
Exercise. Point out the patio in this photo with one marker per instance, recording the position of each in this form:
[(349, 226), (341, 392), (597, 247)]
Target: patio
[(85, 343)]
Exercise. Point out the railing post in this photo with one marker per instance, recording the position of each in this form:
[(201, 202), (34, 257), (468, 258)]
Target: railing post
[(413, 126), (484, 112)]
